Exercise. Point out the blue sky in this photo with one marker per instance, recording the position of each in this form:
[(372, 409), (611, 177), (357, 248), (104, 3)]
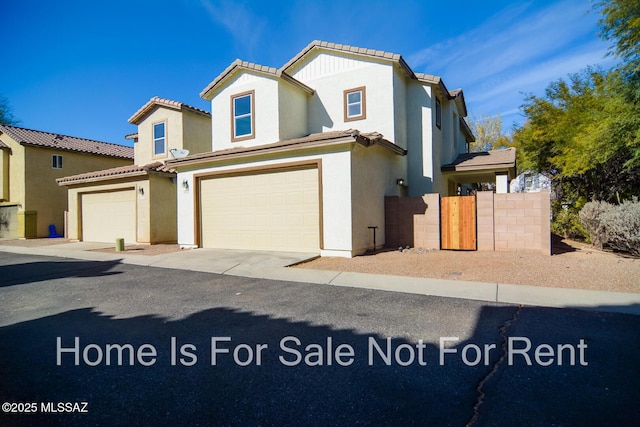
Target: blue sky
[(83, 68)]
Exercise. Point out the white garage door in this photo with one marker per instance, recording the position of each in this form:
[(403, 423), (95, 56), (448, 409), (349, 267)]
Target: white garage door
[(276, 211), (109, 215)]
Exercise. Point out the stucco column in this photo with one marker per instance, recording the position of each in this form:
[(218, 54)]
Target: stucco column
[(502, 182)]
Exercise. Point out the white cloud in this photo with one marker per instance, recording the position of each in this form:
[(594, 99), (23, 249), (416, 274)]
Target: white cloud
[(519, 50), (512, 38), (245, 27)]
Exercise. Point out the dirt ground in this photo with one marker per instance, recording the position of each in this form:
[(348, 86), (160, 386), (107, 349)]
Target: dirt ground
[(572, 265)]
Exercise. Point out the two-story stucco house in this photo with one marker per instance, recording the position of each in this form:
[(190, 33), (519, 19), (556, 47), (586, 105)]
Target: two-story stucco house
[(138, 202), (30, 163), (304, 155)]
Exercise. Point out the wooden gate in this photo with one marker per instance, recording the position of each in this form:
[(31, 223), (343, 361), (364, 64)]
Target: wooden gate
[(458, 223)]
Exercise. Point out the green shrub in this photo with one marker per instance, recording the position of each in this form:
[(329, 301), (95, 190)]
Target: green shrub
[(615, 226), (591, 218), (622, 227), (566, 223)]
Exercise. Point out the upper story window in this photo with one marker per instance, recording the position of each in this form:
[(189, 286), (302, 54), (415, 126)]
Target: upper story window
[(242, 116), (159, 139), (355, 104), (56, 161), (438, 114)]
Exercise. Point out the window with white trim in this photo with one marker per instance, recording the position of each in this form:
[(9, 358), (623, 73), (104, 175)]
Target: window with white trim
[(56, 161), (355, 107), (242, 116), (159, 139)]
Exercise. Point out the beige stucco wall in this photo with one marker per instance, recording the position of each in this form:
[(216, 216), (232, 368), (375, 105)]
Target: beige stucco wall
[(420, 131), (331, 74), (266, 118), (75, 192), (292, 111), (42, 193), (336, 194), (16, 168), (4, 175), (143, 149), (197, 133), (400, 107), (374, 172), (155, 208), (163, 210)]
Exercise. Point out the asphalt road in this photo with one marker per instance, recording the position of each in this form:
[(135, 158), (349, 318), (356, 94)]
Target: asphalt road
[(113, 344)]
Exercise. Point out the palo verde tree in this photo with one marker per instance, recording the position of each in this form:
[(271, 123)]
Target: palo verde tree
[(585, 133), (585, 130), (489, 134)]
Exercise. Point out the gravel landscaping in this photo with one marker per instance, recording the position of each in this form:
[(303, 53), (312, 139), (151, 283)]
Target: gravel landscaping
[(573, 265)]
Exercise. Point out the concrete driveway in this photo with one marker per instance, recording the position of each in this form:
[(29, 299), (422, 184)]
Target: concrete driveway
[(291, 353)]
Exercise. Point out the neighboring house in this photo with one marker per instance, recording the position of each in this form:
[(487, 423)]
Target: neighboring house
[(304, 155), (138, 202), (30, 163), (530, 182)]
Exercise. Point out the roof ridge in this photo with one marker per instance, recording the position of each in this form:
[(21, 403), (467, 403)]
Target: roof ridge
[(377, 53), (158, 167), (66, 136), (156, 100)]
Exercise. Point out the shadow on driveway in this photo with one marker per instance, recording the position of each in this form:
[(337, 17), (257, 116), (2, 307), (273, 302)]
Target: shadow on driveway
[(19, 274), (603, 393)]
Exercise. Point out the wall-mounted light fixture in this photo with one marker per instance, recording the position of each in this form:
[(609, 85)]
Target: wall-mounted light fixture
[(185, 184), (141, 191), (400, 182)]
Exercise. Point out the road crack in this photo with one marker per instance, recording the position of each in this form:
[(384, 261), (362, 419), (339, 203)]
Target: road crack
[(480, 387)]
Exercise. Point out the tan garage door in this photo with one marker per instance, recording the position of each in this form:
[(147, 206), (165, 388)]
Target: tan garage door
[(275, 211), (109, 215)]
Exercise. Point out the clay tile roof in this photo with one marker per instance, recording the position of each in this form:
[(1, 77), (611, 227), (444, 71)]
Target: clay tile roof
[(312, 140), (161, 102), (240, 64), (68, 143), (349, 49), (483, 160), (119, 172)]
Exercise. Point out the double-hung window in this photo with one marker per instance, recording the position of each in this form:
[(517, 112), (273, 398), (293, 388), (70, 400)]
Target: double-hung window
[(242, 116), (355, 106), (159, 139), (56, 161)]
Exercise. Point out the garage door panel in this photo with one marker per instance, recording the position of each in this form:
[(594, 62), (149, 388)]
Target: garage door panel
[(109, 215), (268, 211)]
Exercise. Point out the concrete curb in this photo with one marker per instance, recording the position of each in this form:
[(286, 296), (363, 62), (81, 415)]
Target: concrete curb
[(619, 302)]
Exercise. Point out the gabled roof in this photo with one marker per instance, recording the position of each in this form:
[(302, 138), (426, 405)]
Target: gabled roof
[(68, 143), (482, 160), (377, 54), (207, 92), (309, 141), (115, 173), (161, 102), (372, 53)]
